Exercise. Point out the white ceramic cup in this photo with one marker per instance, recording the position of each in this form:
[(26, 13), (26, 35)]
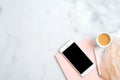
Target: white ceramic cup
[(99, 44)]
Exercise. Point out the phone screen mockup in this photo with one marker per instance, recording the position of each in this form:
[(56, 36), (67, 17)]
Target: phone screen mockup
[(77, 57)]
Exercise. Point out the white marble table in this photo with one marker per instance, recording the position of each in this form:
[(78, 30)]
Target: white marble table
[(32, 31)]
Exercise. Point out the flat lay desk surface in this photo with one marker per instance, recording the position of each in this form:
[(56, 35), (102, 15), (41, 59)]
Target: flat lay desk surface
[(32, 31)]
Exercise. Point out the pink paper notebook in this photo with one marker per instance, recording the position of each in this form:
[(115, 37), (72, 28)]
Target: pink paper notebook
[(70, 73)]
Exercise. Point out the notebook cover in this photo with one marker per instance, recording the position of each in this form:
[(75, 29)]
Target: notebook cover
[(70, 73)]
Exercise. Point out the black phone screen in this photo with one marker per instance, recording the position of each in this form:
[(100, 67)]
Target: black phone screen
[(77, 57)]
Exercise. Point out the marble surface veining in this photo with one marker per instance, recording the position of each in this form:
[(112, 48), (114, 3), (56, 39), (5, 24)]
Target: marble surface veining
[(32, 31)]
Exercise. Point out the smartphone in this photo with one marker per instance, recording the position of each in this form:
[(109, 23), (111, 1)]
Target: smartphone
[(77, 58)]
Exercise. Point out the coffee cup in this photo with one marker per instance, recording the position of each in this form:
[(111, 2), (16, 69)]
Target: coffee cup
[(103, 39)]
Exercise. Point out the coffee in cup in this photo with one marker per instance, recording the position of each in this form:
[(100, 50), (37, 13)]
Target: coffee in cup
[(103, 39)]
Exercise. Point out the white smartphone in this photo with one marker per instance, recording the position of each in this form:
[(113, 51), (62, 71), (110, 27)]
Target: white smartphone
[(77, 58)]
